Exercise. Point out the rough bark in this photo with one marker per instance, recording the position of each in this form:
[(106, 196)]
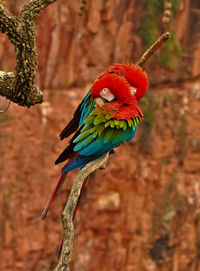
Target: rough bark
[(19, 86)]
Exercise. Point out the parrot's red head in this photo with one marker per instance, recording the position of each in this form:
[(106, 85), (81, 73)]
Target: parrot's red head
[(120, 82), (111, 87)]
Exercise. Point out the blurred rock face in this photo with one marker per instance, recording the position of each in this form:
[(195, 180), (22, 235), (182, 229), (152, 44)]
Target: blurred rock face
[(74, 50), (141, 213)]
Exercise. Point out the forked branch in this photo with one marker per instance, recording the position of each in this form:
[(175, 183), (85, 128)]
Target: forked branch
[(67, 215), (18, 86)]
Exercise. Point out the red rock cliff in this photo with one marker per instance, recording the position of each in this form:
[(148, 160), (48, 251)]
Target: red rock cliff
[(142, 213), (74, 50)]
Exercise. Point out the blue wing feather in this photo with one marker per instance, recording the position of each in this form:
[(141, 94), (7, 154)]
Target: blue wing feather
[(87, 106), (83, 111), (90, 148)]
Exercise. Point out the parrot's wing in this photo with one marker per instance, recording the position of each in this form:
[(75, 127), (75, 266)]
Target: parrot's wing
[(83, 110), (99, 134)]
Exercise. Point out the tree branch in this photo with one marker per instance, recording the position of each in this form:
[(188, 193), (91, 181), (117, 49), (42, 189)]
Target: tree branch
[(69, 211), (8, 24), (67, 215), (7, 81), (32, 9), (153, 49), (19, 86)]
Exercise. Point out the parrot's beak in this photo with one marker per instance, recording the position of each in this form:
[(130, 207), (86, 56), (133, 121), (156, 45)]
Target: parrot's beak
[(99, 102)]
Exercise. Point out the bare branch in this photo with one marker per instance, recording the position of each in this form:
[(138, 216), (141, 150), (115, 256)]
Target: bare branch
[(153, 49), (67, 215), (8, 24), (33, 8)]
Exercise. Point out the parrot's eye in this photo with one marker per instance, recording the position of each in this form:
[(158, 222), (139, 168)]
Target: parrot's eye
[(107, 95), (133, 90)]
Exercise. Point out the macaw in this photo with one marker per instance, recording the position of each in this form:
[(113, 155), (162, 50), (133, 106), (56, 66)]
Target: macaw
[(107, 116)]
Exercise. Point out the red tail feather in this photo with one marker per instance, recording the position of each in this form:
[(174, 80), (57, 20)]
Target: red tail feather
[(82, 188), (54, 194)]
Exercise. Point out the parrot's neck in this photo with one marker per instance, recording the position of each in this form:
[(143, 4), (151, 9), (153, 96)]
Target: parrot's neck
[(121, 110)]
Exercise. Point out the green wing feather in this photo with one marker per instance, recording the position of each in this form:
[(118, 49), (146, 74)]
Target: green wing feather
[(103, 129)]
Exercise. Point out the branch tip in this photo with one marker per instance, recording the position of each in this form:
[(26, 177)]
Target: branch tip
[(157, 44)]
